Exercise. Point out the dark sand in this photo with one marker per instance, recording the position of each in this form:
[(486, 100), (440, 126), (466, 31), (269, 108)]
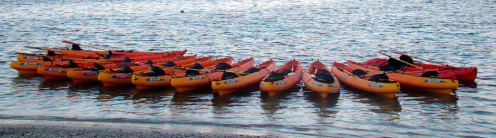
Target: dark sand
[(8, 129)]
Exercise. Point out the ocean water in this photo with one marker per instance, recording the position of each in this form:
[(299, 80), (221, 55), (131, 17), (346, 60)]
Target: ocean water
[(455, 32)]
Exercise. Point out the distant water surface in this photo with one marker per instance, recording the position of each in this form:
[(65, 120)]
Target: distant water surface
[(455, 32)]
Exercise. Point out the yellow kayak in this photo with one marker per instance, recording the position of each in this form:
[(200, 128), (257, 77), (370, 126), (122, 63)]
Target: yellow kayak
[(283, 78), (204, 79), (362, 80), (430, 84), (147, 80), (318, 78)]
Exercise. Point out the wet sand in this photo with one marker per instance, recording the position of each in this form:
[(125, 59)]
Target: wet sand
[(70, 130)]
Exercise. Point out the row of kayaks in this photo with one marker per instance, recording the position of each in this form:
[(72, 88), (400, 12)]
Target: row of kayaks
[(147, 70)]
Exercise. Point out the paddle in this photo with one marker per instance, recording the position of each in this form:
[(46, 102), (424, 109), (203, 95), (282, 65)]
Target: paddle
[(69, 42), (40, 48), (421, 58), (401, 61)]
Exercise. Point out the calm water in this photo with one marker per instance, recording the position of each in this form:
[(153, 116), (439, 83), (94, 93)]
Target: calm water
[(456, 32)]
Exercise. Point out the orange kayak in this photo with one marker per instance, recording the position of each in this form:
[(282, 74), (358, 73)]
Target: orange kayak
[(60, 71), (247, 78), (364, 81), (31, 67), (209, 74), (430, 84), (318, 78), (283, 78), (147, 80), (59, 54), (123, 75), (87, 75)]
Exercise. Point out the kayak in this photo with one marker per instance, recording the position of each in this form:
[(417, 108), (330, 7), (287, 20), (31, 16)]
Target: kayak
[(31, 67), (234, 81), (430, 84), (359, 79), (147, 80), (285, 77), (60, 54), (445, 71), (123, 75), (209, 74), (60, 71), (90, 74), (318, 78)]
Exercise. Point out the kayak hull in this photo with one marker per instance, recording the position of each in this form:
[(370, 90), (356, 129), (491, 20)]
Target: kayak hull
[(228, 86), (436, 85), (205, 79), (445, 71), (275, 87), (321, 88), (344, 76)]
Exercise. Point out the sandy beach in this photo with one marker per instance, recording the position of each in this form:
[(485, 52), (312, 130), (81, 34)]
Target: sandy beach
[(11, 128)]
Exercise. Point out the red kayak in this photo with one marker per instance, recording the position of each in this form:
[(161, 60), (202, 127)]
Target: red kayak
[(445, 71)]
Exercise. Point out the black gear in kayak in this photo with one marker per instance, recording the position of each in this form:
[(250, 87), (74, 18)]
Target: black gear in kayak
[(170, 64), (380, 78), (156, 71), (359, 72), (71, 64), (75, 47), (97, 66), (229, 75), (252, 70), (222, 66), (430, 74), (126, 69)]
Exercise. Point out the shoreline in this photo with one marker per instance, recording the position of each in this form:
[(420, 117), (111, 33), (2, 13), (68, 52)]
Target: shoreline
[(29, 128)]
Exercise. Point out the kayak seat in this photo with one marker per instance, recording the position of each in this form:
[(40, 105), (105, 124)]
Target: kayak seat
[(286, 72), (170, 64), (50, 53), (149, 62), (359, 73), (222, 66), (71, 64), (156, 71), (46, 59), (197, 66), (252, 70), (380, 78), (387, 68), (229, 75), (324, 76), (126, 69), (192, 73), (430, 74), (274, 76), (127, 60), (97, 66)]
